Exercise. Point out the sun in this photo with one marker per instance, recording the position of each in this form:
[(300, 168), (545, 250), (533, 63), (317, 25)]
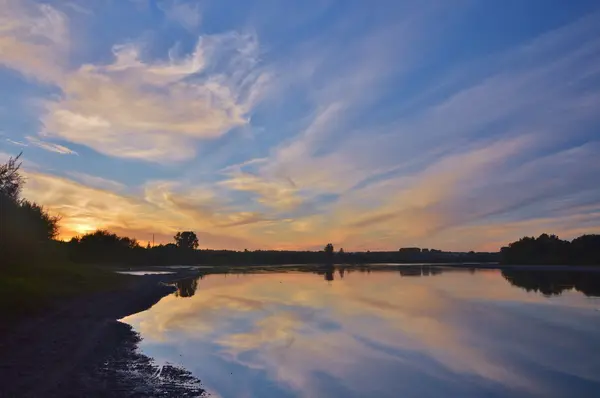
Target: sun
[(76, 229)]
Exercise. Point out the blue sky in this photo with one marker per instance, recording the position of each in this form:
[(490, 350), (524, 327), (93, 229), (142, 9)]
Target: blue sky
[(457, 125)]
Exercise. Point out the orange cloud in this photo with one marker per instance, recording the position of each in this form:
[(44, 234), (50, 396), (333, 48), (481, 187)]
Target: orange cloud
[(84, 209), (34, 39)]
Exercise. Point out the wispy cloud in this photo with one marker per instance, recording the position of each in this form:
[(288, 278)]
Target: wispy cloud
[(96, 182), (48, 146), (17, 143), (132, 107), (188, 15), (151, 111), (34, 39), (78, 7), (276, 193)]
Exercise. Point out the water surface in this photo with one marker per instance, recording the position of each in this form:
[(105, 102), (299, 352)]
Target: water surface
[(142, 273), (398, 332)]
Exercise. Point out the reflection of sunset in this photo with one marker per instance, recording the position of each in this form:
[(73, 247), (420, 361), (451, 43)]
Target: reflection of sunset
[(291, 325)]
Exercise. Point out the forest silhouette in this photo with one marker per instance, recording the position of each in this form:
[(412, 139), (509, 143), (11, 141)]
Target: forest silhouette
[(550, 250)]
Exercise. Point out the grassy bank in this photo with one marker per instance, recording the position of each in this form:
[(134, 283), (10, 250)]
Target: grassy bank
[(29, 286)]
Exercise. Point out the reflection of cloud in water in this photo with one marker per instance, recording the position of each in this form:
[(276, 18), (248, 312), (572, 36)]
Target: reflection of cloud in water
[(377, 334)]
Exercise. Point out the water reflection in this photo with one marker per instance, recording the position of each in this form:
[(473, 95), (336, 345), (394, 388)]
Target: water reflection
[(546, 282), (142, 273), (416, 331), (328, 272), (187, 287), (554, 283)]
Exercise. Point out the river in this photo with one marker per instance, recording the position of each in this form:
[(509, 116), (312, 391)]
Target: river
[(417, 331)]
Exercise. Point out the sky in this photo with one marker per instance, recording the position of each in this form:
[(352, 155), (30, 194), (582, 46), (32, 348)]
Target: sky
[(459, 125)]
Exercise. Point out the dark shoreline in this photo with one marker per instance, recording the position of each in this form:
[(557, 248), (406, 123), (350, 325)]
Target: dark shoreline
[(80, 349)]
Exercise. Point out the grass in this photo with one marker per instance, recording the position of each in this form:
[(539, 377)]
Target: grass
[(30, 286)]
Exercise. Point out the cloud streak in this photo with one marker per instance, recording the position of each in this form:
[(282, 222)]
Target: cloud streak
[(48, 146)]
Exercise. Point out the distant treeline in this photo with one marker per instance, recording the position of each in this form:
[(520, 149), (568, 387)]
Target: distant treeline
[(550, 250), (105, 247)]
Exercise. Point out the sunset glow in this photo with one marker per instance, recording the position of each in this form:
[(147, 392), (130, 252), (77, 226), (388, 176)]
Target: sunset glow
[(292, 124)]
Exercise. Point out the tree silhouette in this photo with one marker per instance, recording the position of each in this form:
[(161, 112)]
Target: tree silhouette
[(341, 255), (11, 181), (103, 246), (107, 240), (40, 224), (186, 240), (24, 225), (550, 250), (586, 250), (328, 252)]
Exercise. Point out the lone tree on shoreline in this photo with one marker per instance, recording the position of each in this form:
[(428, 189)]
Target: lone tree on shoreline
[(186, 240), (328, 252)]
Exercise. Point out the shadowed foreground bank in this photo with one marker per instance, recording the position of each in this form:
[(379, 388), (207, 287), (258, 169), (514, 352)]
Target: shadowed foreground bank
[(79, 349)]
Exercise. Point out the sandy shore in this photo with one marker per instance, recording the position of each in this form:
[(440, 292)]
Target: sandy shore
[(79, 349)]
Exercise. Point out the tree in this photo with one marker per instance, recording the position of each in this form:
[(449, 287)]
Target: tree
[(40, 225), (328, 253), (11, 180), (550, 250), (586, 249), (23, 224), (341, 256), (186, 240), (102, 246)]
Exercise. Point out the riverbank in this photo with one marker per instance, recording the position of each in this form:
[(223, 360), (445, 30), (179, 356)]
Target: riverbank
[(78, 348)]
